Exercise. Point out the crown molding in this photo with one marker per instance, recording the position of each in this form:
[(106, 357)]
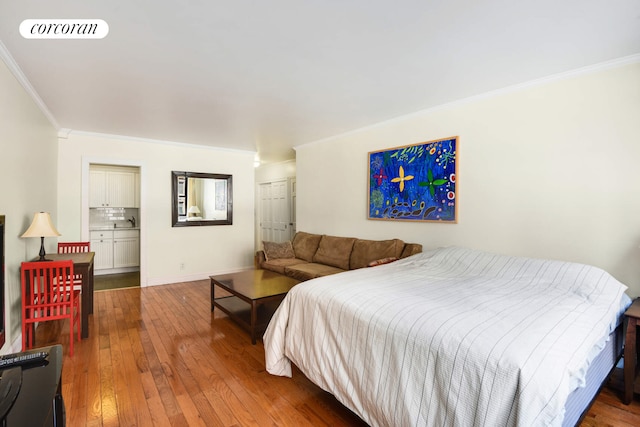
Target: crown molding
[(22, 79), (68, 132), (63, 133)]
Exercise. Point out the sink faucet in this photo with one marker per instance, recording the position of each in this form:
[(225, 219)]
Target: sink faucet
[(132, 221)]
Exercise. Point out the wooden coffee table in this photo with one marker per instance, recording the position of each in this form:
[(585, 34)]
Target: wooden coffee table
[(255, 296)]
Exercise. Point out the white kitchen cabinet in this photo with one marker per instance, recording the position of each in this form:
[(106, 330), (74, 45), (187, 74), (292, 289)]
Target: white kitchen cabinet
[(126, 248), (112, 188), (102, 245), (115, 248)]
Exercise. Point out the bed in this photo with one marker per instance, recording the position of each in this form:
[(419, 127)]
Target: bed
[(455, 337)]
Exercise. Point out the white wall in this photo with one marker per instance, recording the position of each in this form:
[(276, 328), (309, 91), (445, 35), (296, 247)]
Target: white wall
[(28, 166), (548, 170), (275, 171), (203, 250)]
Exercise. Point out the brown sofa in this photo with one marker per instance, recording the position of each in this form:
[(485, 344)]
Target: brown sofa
[(309, 256)]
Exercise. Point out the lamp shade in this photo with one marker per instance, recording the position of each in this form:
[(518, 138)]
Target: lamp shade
[(194, 209), (41, 226)]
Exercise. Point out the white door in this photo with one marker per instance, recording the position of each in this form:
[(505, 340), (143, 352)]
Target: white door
[(265, 213), (292, 215), (274, 211), (280, 210)]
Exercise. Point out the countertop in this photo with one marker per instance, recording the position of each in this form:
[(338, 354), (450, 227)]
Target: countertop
[(106, 227)]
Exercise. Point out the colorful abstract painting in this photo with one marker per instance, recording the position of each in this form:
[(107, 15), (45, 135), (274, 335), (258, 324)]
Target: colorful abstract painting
[(415, 182)]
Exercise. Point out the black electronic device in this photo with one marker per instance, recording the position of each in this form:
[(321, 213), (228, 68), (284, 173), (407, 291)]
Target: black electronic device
[(39, 400), (10, 383), (21, 359)]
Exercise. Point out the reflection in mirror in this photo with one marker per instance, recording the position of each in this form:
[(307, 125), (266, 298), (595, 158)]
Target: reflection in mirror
[(201, 199)]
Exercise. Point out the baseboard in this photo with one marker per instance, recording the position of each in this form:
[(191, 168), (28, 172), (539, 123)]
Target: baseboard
[(157, 281)]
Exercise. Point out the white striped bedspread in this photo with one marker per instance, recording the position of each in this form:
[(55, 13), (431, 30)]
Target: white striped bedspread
[(449, 337)]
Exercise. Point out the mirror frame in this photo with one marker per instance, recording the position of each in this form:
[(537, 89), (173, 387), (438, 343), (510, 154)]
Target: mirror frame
[(174, 199)]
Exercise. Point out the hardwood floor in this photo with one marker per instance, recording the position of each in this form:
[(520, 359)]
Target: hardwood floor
[(155, 356)]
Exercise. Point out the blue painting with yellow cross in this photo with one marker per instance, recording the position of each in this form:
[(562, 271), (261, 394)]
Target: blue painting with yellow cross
[(414, 182)]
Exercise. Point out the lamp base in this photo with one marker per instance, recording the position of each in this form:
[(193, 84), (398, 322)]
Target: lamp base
[(42, 252)]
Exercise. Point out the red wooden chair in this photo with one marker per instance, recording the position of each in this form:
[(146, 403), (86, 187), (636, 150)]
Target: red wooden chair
[(74, 248), (48, 294)]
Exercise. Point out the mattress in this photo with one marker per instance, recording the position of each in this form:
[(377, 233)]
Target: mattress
[(451, 337)]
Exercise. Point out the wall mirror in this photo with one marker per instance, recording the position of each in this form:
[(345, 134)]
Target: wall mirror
[(201, 199)]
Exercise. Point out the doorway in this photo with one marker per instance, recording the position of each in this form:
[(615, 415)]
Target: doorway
[(113, 222)]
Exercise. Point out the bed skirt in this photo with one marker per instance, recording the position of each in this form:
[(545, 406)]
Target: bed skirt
[(580, 400)]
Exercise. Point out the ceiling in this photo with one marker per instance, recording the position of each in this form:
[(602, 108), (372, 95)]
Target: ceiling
[(267, 76)]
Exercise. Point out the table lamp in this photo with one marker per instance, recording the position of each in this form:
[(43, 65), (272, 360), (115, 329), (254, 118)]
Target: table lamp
[(41, 227), (194, 210)]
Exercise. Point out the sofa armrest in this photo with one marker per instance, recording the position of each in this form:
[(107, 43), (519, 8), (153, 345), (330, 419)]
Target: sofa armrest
[(411, 249), (260, 258)]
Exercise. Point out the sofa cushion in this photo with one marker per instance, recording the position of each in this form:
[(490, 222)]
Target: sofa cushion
[(366, 251), (273, 250), (310, 270), (305, 245), (279, 265), (334, 251)]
